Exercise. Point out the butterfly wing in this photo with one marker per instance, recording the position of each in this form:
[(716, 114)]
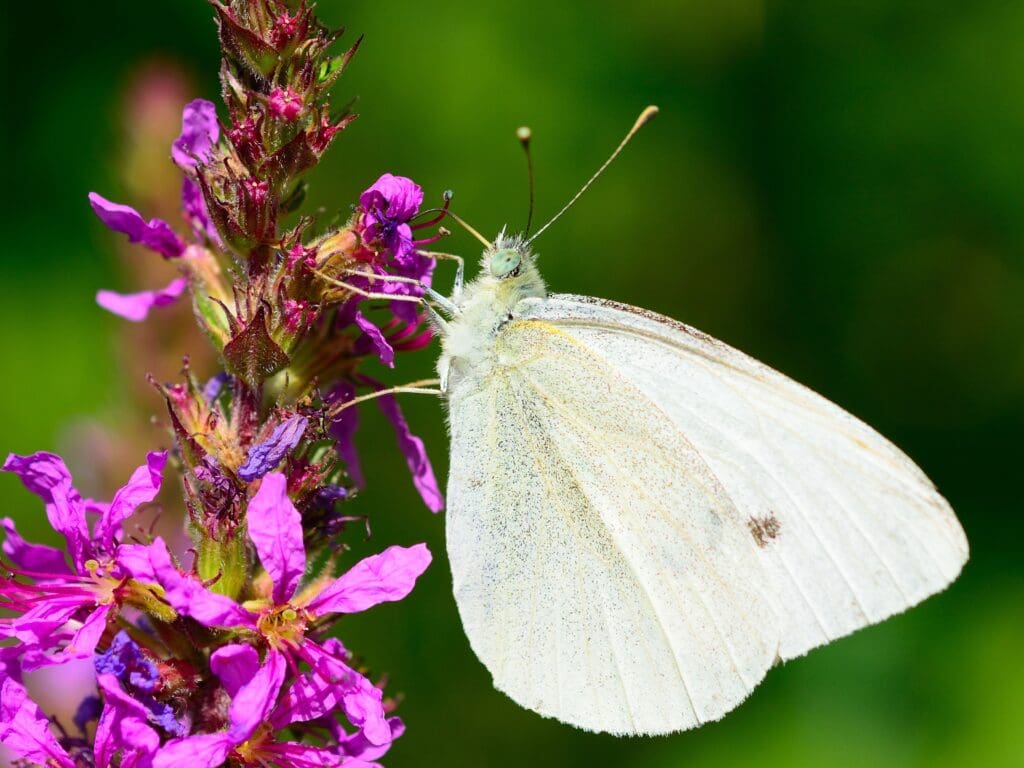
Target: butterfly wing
[(602, 572), (849, 529)]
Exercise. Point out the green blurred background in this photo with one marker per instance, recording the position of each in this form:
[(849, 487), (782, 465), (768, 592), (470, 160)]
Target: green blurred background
[(835, 187)]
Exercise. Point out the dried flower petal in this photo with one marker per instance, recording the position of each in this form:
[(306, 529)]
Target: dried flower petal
[(264, 457)]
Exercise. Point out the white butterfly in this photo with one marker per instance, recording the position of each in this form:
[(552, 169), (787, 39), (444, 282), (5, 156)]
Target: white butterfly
[(643, 520)]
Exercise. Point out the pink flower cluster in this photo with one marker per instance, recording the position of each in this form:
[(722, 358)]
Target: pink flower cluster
[(277, 690)]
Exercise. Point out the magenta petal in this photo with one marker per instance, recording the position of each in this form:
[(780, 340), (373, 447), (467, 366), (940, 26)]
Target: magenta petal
[(155, 234), (382, 578), (46, 475), (187, 595), (256, 699), (199, 132), (123, 725), (330, 684), (361, 700), (291, 753), (275, 527), (397, 197), (47, 616), (373, 334), (358, 746), (25, 731), (234, 665), (194, 205), (415, 455), (136, 306), (134, 561), (37, 558), (207, 750), (142, 487), (84, 642)]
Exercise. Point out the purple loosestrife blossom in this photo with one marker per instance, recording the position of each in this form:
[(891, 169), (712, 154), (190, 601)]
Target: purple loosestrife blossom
[(69, 603), (387, 207), (224, 657), (284, 620), (199, 135), (255, 716)]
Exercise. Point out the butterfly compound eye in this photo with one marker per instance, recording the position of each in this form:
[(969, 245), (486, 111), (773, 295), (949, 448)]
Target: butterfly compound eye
[(506, 262)]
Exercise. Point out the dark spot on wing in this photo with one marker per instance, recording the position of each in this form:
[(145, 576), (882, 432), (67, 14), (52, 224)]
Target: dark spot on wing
[(764, 529)]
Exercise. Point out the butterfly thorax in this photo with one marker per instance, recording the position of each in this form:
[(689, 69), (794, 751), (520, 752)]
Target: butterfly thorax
[(509, 274)]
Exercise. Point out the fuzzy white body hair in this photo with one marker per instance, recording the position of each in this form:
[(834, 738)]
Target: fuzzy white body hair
[(485, 305)]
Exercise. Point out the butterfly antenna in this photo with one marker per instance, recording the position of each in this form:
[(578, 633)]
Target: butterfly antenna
[(469, 229), (645, 116), (524, 134)]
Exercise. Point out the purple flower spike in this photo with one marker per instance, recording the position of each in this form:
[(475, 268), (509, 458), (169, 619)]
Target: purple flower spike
[(199, 133), (264, 457), (389, 204), (136, 306), (275, 527), (155, 234)]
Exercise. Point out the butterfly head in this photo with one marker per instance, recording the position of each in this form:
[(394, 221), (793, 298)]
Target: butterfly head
[(507, 257)]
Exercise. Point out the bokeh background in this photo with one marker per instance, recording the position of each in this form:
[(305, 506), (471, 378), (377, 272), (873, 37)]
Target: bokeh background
[(835, 187)]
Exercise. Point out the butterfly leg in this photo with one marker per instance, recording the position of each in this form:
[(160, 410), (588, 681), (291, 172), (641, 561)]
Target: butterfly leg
[(460, 271)]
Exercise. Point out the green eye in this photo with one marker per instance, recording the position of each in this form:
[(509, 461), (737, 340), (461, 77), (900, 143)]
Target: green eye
[(505, 262)]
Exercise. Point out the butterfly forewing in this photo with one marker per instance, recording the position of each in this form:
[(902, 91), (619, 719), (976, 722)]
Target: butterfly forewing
[(849, 530)]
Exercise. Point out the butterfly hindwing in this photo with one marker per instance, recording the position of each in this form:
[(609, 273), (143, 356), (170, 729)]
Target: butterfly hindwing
[(602, 572)]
